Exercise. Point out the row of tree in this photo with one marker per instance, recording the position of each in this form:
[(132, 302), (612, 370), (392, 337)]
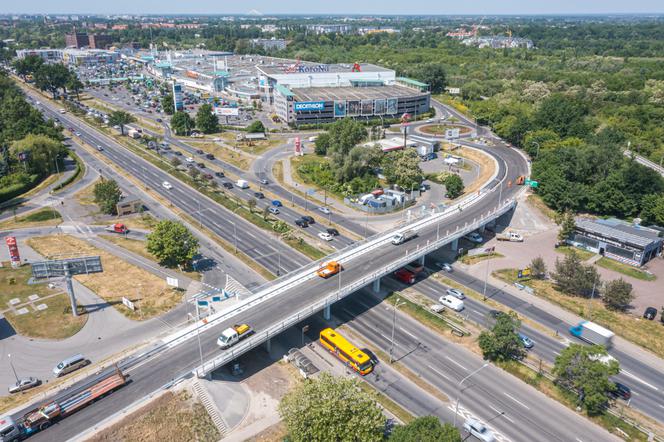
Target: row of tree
[(50, 77)]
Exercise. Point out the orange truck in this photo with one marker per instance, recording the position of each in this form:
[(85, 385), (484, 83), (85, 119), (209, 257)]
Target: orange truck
[(329, 269), (117, 228)]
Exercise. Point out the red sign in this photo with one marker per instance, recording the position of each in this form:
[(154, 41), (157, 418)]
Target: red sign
[(298, 146), (12, 245)]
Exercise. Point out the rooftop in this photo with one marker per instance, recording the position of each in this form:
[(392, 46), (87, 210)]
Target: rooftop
[(280, 68), (619, 230), (352, 93)]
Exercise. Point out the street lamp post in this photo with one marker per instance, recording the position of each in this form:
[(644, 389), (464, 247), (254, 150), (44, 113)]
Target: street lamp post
[(456, 409), (12, 365), (397, 303)]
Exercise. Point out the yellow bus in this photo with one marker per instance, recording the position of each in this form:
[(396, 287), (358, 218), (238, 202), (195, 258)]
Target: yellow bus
[(347, 352)]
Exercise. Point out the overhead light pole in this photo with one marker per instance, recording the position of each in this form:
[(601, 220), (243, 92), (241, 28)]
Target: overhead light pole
[(456, 409), (397, 303)]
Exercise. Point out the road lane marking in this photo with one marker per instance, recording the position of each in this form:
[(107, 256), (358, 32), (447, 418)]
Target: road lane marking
[(443, 375), (456, 363), (408, 333), (639, 379), (517, 401), (502, 413)]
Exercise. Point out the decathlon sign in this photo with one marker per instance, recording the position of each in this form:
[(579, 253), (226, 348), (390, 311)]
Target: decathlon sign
[(310, 106)]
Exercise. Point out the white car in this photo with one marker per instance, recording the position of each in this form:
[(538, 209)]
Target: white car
[(167, 185), (189, 160), (474, 237), (325, 236), (479, 430), (325, 210), (456, 293), (430, 120), (445, 266)]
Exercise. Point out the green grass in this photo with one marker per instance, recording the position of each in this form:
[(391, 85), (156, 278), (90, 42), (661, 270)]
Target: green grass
[(42, 217), (470, 260), (625, 269), (306, 248), (420, 313), (583, 255)]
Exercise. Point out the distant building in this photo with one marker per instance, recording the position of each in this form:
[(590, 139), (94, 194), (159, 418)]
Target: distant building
[(128, 205), (99, 41), (76, 40), (616, 239), (48, 55), (89, 57), (330, 29), (270, 44)]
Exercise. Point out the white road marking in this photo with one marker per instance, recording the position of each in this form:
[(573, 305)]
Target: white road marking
[(639, 379), (408, 333), (578, 440), (517, 401), (456, 363), (439, 373), (502, 413)]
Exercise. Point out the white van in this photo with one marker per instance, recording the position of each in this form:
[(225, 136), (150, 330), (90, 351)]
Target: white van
[(70, 364), (451, 302), (242, 184)]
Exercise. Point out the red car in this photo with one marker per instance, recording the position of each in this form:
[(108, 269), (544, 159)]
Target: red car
[(405, 276)]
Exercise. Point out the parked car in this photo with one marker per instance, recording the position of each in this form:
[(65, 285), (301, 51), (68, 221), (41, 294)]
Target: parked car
[(189, 159), (622, 391), (456, 293), (24, 384), (228, 185), (301, 223), (219, 174), (650, 313), (324, 210), (264, 182), (526, 341), (333, 232), (325, 236), (308, 219), (167, 185), (474, 237), (479, 430)]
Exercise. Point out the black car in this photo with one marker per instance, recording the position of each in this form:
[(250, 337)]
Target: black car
[(219, 174), (201, 165), (209, 156), (495, 314), (301, 222), (177, 152), (159, 120), (308, 219), (228, 185), (622, 391), (650, 313), (200, 152), (259, 195), (333, 232)]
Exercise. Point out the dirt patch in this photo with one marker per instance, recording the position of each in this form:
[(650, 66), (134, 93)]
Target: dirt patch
[(223, 153), (151, 295), (173, 416), (86, 196), (487, 167), (440, 129), (536, 202), (275, 433)]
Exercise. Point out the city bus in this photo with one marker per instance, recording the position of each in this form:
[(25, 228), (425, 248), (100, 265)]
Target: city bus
[(347, 352)]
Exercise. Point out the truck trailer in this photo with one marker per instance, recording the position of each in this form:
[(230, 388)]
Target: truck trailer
[(592, 333), (44, 416)]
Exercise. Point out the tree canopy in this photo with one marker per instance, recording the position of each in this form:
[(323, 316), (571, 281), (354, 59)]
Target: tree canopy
[(172, 243), (120, 118), (425, 429), (107, 195), (502, 342), (206, 121), (182, 123)]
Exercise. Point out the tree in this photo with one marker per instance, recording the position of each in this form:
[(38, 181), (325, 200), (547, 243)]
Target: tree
[(575, 278), (567, 225), (181, 123), (425, 429), (206, 121), (40, 153), (322, 144), (120, 118), (563, 114), (27, 65), (75, 85), (538, 268), (434, 75), (652, 210), (325, 408), (453, 186), (617, 294), (256, 127), (107, 195), (586, 370), (502, 343), (51, 77), (251, 203), (194, 173), (167, 104), (175, 162), (172, 243), (402, 167)]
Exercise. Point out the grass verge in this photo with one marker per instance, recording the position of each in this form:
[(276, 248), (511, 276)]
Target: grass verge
[(418, 312), (583, 255), (223, 153), (119, 279), (470, 260), (173, 416), (647, 334), (39, 217), (625, 269), (536, 201)]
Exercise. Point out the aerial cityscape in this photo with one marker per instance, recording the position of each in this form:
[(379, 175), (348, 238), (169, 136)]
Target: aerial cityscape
[(332, 222)]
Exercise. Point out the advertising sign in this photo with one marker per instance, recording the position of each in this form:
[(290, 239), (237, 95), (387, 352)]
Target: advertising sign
[(353, 108), (128, 303), (302, 69), (524, 273), (379, 107), (173, 282), (14, 256), (227, 111), (451, 133), (339, 108), (310, 106), (481, 251), (298, 146), (177, 96), (367, 107), (391, 106)]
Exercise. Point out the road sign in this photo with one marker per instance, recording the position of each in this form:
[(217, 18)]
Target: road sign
[(216, 298), (127, 302), (532, 183), (173, 282), (202, 303)]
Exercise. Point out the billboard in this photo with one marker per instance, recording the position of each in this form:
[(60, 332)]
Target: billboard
[(353, 108), (391, 108), (379, 107), (339, 108), (12, 245), (310, 106), (367, 107), (177, 96), (227, 111)]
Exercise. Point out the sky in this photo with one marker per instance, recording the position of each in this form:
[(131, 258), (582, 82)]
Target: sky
[(429, 7)]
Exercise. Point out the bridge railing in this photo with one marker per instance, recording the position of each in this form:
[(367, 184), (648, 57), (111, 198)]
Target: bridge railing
[(409, 255)]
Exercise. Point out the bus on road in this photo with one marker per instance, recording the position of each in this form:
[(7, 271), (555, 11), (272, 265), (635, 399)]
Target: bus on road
[(347, 352)]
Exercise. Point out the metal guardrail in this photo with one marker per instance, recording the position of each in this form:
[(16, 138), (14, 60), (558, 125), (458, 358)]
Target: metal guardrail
[(276, 329)]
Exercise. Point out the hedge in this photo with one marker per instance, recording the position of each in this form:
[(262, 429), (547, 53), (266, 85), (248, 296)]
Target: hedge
[(15, 190)]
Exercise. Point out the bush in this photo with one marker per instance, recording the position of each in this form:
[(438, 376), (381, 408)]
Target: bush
[(21, 184)]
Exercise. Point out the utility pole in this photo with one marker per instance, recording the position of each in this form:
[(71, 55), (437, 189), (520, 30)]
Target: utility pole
[(397, 303)]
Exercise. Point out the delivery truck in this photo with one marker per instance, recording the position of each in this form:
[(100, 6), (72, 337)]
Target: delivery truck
[(40, 418), (402, 237), (117, 228), (509, 236), (592, 333), (233, 335)]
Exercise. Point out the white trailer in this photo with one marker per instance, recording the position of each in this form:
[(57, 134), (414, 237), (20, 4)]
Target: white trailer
[(592, 333)]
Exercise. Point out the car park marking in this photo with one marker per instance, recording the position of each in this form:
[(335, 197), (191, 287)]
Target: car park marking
[(517, 401), (639, 379), (456, 363)]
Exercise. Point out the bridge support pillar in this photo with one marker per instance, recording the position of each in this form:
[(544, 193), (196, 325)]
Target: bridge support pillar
[(421, 260), (376, 286), (482, 228), (455, 244), (326, 313), (268, 345)]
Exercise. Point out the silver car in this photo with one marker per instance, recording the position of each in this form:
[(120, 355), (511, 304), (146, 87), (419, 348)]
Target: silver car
[(24, 384), (456, 293)]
